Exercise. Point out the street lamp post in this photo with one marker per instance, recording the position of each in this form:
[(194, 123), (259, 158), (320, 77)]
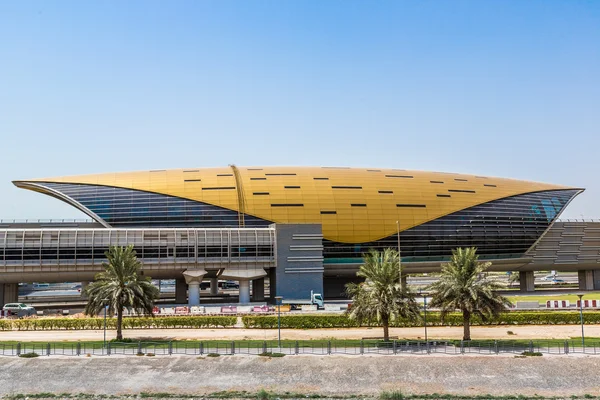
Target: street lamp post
[(399, 258), (104, 301), (581, 318), (424, 294), (278, 301)]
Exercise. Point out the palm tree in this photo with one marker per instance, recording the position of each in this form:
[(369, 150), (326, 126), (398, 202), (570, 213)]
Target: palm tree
[(121, 285), (381, 296), (465, 286)]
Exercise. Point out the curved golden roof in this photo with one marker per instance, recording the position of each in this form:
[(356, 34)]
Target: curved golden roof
[(354, 205)]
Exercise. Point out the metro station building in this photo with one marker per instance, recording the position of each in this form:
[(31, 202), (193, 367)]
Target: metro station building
[(303, 228)]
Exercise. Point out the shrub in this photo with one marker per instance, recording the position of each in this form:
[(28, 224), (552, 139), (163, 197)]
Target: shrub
[(213, 355), (271, 354), (29, 355), (531, 353), (433, 319)]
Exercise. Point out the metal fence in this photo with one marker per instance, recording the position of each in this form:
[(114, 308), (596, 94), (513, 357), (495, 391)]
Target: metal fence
[(212, 348)]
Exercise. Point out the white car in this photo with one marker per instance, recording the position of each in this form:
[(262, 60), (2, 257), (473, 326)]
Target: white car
[(18, 309), (549, 278)]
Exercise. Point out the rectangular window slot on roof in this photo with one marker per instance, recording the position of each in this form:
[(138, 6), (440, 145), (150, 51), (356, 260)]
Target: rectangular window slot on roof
[(192, 170), (336, 167), (192, 180), (373, 170), (258, 179), (292, 187), (283, 174), (287, 205), (436, 182), (224, 174), (219, 188), (328, 212), (460, 180), (260, 193), (482, 177), (489, 185), (158, 170), (461, 191), (399, 176), (358, 205), (346, 187), (443, 195), (386, 192), (321, 179), (411, 205), (255, 169)]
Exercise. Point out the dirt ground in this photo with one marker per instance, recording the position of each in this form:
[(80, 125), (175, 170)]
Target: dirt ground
[(552, 376), (477, 332)]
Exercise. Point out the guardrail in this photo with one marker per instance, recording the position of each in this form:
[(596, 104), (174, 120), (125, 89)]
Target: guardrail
[(45, 221), (214, 348)]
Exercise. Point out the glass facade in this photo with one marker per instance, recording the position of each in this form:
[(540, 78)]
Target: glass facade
[(502, 228), (134, 208)]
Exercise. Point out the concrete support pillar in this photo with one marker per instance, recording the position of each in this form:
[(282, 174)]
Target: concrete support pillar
[(193, 278), (403, 280), (586, 279), (180, 291), (272, 284), (84, 286), (214, 286), (526, 281), (9, 293), (258, 289), (244, 291), (194, 294)]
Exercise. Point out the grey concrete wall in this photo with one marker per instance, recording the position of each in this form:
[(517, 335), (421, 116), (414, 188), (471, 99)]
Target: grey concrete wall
[(299, 260), (9, 293), (258, 289)]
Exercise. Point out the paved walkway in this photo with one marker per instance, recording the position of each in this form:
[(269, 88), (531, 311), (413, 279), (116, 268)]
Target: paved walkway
[(477, 332)]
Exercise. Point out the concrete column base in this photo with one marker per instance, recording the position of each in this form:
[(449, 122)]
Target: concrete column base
[(403, 280), (526, 281), (84, 286)]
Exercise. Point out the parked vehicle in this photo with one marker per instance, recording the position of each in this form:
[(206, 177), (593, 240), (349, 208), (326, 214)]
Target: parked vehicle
[(18, 309), (315, 299)]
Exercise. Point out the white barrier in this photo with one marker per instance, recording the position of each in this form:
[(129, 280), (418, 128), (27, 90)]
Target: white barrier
[(332, 307), (308, 307), (558, 304), (589, 303), (167, 311), (212, 310), (195, 310)]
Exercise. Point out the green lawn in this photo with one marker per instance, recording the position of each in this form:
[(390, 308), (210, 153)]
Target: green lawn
[(542, 299)]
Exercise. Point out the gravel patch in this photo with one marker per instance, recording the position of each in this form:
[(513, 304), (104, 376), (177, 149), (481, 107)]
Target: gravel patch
[(327, 375)]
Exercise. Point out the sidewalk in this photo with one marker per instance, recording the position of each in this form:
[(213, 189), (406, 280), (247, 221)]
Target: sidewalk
[(477, 332)]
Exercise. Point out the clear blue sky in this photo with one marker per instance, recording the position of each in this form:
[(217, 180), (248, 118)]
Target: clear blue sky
[(499, 88)]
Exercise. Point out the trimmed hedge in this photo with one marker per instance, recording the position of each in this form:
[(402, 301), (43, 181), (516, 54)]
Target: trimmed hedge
[(433, 319), (41, 324)]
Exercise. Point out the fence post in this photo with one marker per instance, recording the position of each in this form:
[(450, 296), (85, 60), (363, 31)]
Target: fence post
[(362, 347), (394, 347), (19, 349), (297, 348), (78, 348), (264, 346), (232, 347), (329, 347), (566, 347), (462, 347), (531, 346), (108, 348), (139, 347), (48, 349), (201, 348), (170, 347), (496, 346)]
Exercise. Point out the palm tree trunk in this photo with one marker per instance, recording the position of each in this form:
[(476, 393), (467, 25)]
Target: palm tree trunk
[(386, 329), (119, 323), (466, 325)]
